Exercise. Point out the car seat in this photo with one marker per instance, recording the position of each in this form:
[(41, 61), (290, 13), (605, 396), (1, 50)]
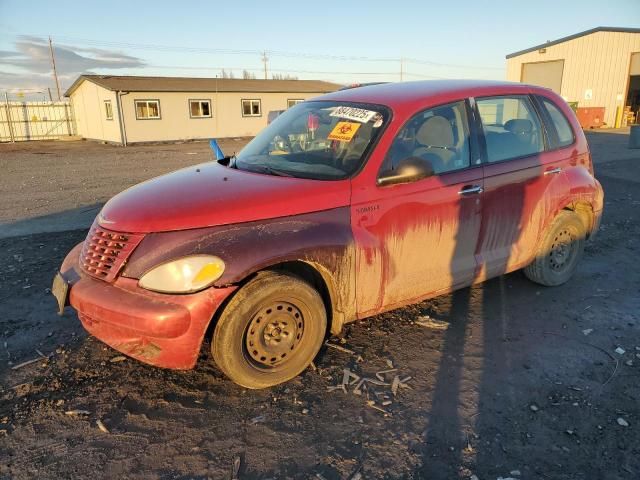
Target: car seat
[(521, 128), (435, 139), (523, 131)]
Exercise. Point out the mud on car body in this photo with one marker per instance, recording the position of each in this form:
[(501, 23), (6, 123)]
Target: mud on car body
[(345, 206)]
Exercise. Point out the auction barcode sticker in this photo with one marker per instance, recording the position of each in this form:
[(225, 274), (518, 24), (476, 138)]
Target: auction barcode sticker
[(352, 113)]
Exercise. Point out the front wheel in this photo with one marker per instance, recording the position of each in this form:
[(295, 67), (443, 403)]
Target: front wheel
[(270, 331), (560, 251)]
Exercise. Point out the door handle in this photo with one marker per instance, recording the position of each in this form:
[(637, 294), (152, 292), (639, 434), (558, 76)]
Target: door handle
[(552, 171), (471, 189)]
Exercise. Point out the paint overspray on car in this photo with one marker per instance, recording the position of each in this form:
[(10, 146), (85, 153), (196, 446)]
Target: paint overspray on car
[(396, 261), (409, 251), (322, 240)]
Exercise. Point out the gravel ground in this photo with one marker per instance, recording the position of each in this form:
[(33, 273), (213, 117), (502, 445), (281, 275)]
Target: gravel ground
[(509, 379), (41, 178)]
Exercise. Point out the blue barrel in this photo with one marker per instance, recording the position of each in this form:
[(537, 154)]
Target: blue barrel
[(634, 136)]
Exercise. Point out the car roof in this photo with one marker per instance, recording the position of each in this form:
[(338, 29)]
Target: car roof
[(426, 92)]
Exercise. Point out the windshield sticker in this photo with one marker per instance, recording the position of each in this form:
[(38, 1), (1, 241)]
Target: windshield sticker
[(355, 114), (344, 131)]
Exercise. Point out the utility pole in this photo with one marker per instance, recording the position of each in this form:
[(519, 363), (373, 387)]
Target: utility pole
[(53, 64), (401, 68), (265, 59)]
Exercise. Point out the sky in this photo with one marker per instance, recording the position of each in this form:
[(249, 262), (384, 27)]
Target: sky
[(346, 41)]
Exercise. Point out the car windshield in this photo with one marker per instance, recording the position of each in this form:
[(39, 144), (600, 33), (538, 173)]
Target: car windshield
[(317, 140)]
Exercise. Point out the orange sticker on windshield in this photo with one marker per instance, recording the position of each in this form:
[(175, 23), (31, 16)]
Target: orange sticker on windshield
[(344, 131)]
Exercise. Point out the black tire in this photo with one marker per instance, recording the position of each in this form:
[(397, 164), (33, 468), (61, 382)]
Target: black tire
[(560, 251), (270, 331)]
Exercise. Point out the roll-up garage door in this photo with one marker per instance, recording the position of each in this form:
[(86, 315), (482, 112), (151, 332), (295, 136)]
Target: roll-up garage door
[(544, 74)]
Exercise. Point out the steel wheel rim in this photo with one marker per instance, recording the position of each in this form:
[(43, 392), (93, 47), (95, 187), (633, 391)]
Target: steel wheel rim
[(274, 334), (563, 250)]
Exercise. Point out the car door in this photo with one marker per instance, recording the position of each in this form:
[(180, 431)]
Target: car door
[(418, 238), (518, 173)]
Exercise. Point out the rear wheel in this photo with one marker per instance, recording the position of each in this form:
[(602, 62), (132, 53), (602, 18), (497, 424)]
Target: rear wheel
[(270, 331), (560, 251)]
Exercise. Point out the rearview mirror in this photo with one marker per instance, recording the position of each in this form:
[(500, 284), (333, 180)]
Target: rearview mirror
[(408, 170)]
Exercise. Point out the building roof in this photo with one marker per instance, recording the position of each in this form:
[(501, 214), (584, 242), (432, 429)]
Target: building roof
[(574, 36), (186, 84)]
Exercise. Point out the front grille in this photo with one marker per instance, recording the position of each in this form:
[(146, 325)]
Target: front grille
[(104, 252)]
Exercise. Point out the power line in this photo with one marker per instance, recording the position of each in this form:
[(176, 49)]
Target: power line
[(182, 49), (429, 77), (278, 70), (450, 65)]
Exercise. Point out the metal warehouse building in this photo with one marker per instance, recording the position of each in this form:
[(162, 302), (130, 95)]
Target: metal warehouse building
[(126, 109), (598, 69)]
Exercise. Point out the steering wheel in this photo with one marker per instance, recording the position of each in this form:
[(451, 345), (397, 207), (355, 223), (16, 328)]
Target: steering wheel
[(282, 144)]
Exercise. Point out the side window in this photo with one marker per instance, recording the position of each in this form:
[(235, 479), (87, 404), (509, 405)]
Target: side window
[(511, 127), (108, 110), (251, 108), (440, 135), (147, 109), (560, 122), (200, 108), (293, 101)]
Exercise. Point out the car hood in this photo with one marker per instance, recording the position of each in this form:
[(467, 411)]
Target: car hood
[(210, 194)]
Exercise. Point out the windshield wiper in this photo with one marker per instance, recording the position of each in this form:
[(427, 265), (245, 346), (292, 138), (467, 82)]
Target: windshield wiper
[(275, 171), (268, 170), (259, 168)]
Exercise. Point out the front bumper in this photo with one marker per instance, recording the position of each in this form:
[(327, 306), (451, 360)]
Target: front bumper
[(158, 329)]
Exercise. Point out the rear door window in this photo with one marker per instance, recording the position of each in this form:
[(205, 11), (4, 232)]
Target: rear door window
[(560, 122), (511, 127)]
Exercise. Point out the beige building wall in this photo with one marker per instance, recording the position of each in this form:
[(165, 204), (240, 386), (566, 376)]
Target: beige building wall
[(598, 62), (176, 124), (90, 116)]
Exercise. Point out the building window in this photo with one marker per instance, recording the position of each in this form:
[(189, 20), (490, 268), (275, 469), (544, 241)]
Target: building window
[(147, 109), (251, 108), (294, 101), (108, 109), (200, 108)]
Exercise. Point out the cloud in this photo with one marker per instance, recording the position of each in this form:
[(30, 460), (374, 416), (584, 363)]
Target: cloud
[(33, 55), (29, 66)]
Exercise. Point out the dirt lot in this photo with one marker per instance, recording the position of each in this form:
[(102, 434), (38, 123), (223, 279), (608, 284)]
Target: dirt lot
[(56, 186), (519, 381)]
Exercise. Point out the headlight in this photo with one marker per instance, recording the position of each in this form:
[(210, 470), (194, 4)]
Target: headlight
[(188, 274)]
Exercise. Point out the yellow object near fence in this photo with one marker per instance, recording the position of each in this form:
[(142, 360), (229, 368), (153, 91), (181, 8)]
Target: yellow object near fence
[(618, 122)]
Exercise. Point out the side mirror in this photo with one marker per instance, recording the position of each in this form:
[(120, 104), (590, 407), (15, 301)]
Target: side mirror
[(408, 170)]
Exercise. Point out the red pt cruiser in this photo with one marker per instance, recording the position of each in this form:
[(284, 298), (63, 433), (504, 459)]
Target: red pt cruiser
[(348, 205)]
